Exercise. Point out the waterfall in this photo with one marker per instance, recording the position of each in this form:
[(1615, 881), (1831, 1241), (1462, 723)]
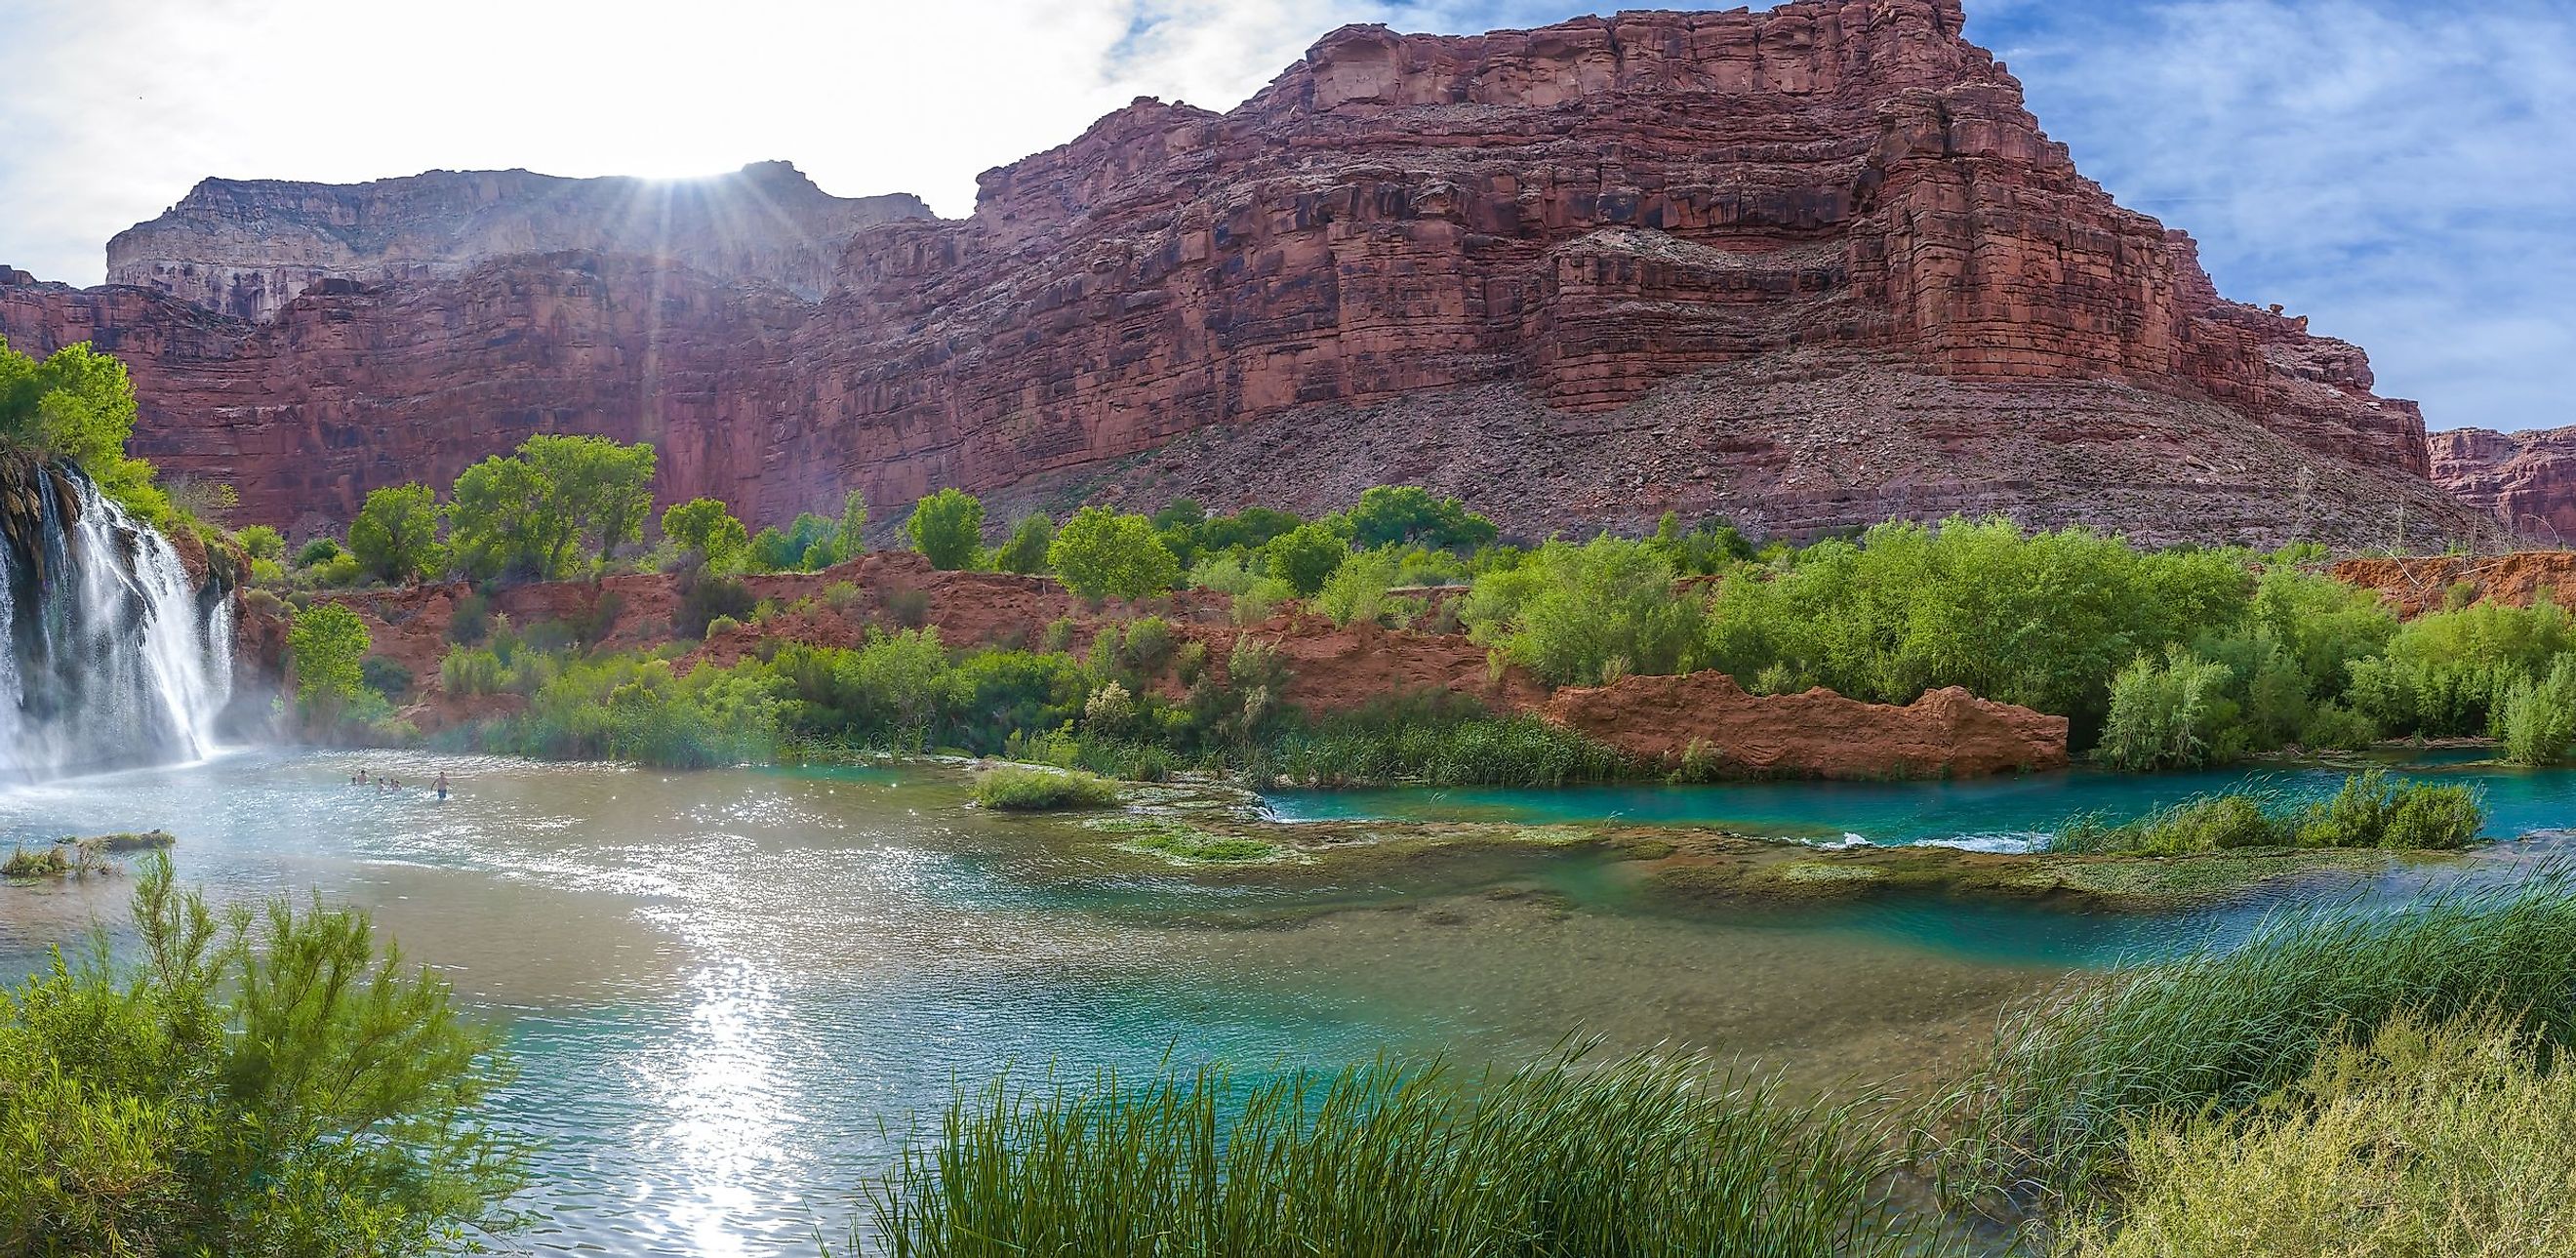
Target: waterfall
[(114, 658)]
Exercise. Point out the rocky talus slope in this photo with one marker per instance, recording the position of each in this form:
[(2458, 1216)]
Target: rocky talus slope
[(1807, 268)]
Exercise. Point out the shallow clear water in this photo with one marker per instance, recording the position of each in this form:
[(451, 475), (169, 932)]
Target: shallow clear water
[(724, 987), (2005, 813)]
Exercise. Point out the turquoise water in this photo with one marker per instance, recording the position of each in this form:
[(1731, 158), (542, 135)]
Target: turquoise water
[(2004, 813), (727, 991)]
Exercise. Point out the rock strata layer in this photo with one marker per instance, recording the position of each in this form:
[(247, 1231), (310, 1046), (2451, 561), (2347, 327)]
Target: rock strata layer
[(2526, 480), (1808, 267), (1707, 717)]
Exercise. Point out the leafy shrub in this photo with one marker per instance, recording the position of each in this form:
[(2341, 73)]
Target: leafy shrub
[(2334, 727), (469, 619), (319, 550), (1402, 515), (1582, 615), (2166, 715), (2366, 811), (324, 646), (1357, 591), (707, 527), (1306, 556), (1014, 789), (386, 677), (703, 598), (2539, 717), (259, 541), (1026, 551), (267, 1082), (471, 671), (395, 537)]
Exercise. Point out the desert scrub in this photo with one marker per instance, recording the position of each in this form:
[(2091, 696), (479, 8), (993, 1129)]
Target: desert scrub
[(2045, 1114), (1013, 788), (2366, 811), (1653, 1155), (2424, 1138)]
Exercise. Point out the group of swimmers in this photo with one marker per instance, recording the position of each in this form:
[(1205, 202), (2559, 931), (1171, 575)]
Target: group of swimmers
[(360, 778)]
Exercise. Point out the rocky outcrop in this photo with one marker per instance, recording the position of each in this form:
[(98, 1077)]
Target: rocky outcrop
[(248, 247), (1807, 267), (2526, 480), (1945, 733), (2415, 584)]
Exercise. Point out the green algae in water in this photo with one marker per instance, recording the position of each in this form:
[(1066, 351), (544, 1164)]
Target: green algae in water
[(1175, 840)]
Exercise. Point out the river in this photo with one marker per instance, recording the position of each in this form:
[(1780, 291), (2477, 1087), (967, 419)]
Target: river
[(727, 990)]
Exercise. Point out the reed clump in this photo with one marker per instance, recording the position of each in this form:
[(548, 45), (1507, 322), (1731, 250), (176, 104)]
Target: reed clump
[(1651, 1156), (2041, 1122)]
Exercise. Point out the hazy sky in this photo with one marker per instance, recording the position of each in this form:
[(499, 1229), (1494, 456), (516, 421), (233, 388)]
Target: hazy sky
[(2399, 170)]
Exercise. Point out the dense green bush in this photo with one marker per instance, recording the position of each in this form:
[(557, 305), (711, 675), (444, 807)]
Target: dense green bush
[(2449, 672), (531, 513), (706, 527), (78, 404), (259, 1082), (2045, 620), (1306, 556), (2538, 719), (1437, 738), (1588, 614), (395, 536), (325, 646), (2167, 714), (623, 708), (1102, 554), (1027, 549), (1407, 515)]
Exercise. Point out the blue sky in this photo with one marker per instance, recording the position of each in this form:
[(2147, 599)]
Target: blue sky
[(2398, 170)]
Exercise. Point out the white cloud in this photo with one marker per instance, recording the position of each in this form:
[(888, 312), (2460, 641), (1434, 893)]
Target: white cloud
[(2396, 170)]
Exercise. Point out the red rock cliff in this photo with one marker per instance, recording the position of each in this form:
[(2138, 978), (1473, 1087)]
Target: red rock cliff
[(1808, 267), (2527, 480)]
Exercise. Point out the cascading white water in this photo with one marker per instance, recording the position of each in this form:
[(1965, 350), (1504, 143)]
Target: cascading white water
[(114, 658)]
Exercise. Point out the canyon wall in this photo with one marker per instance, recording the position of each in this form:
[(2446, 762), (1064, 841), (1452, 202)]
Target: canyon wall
[(247, 247), (1805, 268), (2527, 480)]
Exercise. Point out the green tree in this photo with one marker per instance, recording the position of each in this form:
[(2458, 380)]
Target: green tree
[(1307, 555), (948, 526), (850, 541), (526, 513), (1027, 549), (1102, 554), (705, 526), (264, 1081), (1391, 514), (78, 404), (395, 536), (326, 645), (602, 491)]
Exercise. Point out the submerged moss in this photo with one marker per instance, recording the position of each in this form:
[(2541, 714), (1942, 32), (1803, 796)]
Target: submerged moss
[(1181, 841)]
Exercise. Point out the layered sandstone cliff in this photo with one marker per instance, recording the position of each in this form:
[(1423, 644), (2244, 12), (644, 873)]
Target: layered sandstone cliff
[(247, 247), (2527, 480), (1807, 268)]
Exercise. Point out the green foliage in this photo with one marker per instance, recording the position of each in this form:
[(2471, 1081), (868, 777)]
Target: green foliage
[(318, 551), (623, 708), (849, 534), (704, 597), (708, 527), (2044, 620), (526, 514), (1589, 614), (948, 526), (1437, 739), (2447, 673), (1102, 554), (1013, 788), (1027, 549), (2045, 1114), (472, 671), (1711, 547), (263, 1082), (2166, 714), (395, 536), (259, 541), (1652, 1155), (1245, 531), (1404, 515), (386, 677), (324, 646), (78, 404), (1306, 556), (1358, 590), (2368, 810), (2424, 1138), (2539, 717)]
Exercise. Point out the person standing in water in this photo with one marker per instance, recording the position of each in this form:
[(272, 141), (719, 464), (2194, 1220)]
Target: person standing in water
[(442, 786)]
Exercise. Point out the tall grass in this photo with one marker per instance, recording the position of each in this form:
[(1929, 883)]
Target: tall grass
[(2042, 1117), (2422, 1138), (1648, 1157), (1013, 788), (1446, 750)]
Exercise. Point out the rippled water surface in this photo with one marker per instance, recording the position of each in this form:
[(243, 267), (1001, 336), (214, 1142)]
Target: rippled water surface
[(726, 989)]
